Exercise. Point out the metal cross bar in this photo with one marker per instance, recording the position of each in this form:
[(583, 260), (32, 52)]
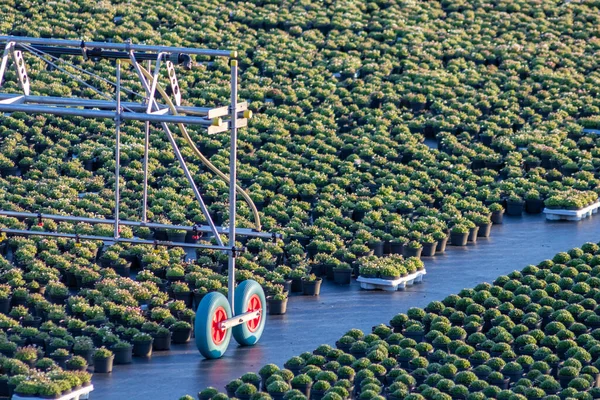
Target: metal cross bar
[(97, 53), (117, 46), (208, 112), (199, 228), (126, 116), (117, 240), (240, 319)]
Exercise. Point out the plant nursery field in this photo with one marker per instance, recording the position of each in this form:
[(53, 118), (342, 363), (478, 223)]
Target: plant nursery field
[(392, 141)]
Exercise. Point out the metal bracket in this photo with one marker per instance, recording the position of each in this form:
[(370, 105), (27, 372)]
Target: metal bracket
[(240, 319), (19, 61), (173, 82)]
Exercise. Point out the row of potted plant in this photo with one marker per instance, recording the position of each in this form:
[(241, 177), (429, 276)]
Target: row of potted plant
[(532, 334)]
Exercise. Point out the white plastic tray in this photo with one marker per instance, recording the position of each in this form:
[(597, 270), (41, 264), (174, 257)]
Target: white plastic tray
[(79, 394), (571, 215), (391, 286)]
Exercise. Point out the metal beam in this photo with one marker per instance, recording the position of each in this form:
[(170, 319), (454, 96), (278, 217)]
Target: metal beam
[(115, 240), (210, 113), (117, 46), (152, 225), (127, 115)]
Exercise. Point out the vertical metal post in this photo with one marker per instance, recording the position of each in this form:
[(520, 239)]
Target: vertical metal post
[(232, 181), (146, 150), (118, 151), (145, 193)]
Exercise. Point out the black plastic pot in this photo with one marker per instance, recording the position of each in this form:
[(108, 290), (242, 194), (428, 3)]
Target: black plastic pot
[(484, 230), (142, 349), (61, 361), (534, 206), (4, 387), (174, 236), (311, 288), (182, 335), (473, 234), (416, 336), (503, 384), (329, 271), (123, 270), (497, 217), (5, 305), (103, 365), (396, 248), (514, 377), (277, 307), (459, 239), (514, 208), (296, 285), (277, 396), (410, 252), (123, 355), (305, 389), (162, 342), (19, 301), (429, 249), (186, 297), (35, 323), (342, 276), (87, 354), (317, 394), (441, 245), (377, 248), (58, 299)]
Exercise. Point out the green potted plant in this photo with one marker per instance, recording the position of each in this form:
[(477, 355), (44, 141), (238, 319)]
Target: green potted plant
[(123, 352), (76, 363), (278, 303), (459, 235), (103, 360), (303, 383), (311, 285), (142, 345), (182, 332), (278, 389), (245, 391)]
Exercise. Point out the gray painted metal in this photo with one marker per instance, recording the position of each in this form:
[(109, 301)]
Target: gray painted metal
[(115, 46)]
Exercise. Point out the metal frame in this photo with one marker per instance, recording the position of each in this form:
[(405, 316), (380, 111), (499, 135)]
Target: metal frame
[(219, 119)]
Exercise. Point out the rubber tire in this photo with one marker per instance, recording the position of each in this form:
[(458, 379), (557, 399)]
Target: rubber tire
[(203, 325), (243, 292)]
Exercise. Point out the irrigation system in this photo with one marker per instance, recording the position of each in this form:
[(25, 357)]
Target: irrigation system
[(217, 318)]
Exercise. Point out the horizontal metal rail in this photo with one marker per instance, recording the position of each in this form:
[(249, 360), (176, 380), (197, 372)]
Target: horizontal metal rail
[(118, 240), (199, 228), (118, 46), (128, 116), (111, 105), (240, 319)]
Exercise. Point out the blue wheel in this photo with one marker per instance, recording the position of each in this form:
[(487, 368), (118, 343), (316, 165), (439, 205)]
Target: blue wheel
[(249, 296), (211, 340)]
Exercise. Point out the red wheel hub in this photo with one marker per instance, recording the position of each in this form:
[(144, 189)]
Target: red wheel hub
[(254, 305), (218, 334)]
